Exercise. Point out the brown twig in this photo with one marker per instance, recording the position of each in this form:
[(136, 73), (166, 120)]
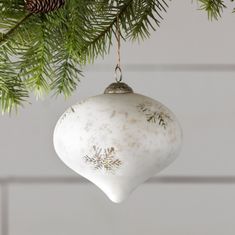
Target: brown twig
[(12, 30)]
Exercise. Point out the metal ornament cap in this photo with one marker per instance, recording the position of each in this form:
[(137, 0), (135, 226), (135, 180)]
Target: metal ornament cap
[(118, 140), (118, 88)]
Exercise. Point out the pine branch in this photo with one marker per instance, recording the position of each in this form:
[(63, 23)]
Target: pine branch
[(135, 19), (149, 16), (34, 62), (7, 35), (214, 8), (47, 49), (14, 25), (97, 38), (12, 90), (65, 59), (66, 74)]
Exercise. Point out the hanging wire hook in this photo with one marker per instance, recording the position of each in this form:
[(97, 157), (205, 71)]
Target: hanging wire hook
[(118, 70), (118, 73)]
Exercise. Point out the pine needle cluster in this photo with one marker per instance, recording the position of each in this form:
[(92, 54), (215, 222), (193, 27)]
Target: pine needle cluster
[(214, 8), (44, 52)]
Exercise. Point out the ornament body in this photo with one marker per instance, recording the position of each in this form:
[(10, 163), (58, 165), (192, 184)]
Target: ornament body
[(117, 140)]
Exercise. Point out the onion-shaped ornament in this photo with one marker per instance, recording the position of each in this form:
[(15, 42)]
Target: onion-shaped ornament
[(118, 139)]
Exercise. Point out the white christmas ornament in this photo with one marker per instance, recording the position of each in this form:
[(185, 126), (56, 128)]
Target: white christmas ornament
[(118, 140)]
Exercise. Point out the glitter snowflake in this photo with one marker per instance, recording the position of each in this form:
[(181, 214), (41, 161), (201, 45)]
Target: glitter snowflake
[(103, 159), (160, 117)]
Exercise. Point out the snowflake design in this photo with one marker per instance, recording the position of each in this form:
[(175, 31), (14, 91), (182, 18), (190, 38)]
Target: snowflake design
[(71, 110), (103, 159), (153, 116)]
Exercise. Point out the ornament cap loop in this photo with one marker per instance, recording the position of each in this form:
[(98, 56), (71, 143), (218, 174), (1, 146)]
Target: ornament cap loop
[(118, 88), (118, 74)]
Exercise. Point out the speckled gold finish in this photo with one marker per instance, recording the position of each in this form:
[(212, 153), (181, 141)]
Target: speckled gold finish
[(118, 139)]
